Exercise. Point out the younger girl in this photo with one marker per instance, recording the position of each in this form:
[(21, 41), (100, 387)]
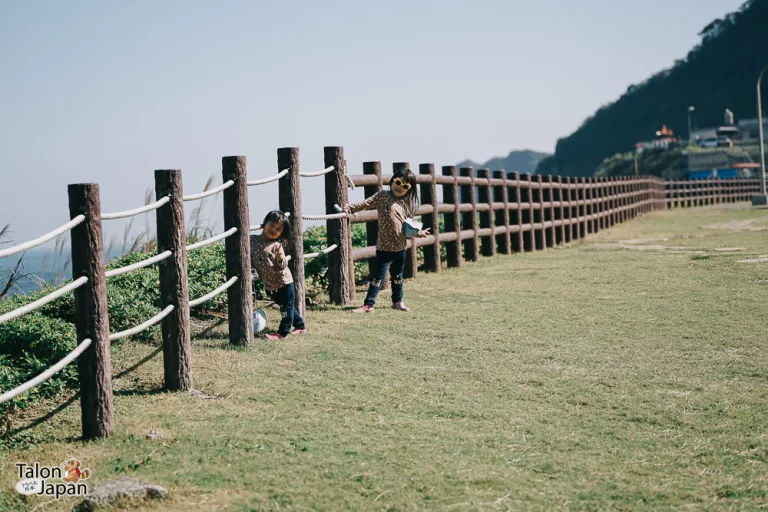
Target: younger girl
[(269, 261), (393, 206)]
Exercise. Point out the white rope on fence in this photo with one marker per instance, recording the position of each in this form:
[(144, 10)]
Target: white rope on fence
[(149, 323), (140, 264), (325, 217), (318, 173), (74, 285), (267, 180), (47, 374), (213, 239), (209, 296), (137, 211), (42, 239), (255, 227), (211, 192), (324, 251)]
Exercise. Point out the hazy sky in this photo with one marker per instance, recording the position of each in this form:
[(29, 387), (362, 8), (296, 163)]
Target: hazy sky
[(109, 91)]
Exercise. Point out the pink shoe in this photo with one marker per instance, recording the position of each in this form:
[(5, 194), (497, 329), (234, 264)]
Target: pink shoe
[(274, 337), (363, 309), (399, 306), (299, 331)]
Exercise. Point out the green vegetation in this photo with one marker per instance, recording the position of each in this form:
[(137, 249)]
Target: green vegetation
[(623, 373), (668, 164), (719, 73)]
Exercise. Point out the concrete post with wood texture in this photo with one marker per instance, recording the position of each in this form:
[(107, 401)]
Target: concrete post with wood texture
[(238, 251), (411, 261), (560, 211), (591, 207), (289, 193), (517, 215), (582, 199), (174, 291), (602, 203), (526, 191), (91, 317), (538, 214), (501, 218), (570, 228), (469, 219), (428, 194), (488, 243), (549, 213), (372, 228), (452, 220), (341, 285)]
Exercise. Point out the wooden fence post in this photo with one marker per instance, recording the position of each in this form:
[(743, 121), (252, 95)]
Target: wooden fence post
[(567, 210), (411, 258), (289, 190), (526, 192), (238, 251), (341, 283), (469, 219), (452, 220), (174, 291), (428, 195), (572, 233), (538, 214), (603, 200), (501, 218), (582, 202), (91, 317), (488, 243), (550, 236), (593, 201), (560, 211), (516, 216)]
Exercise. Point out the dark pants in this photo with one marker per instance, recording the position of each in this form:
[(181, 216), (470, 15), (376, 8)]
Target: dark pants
[(383, 260), (285, 297)]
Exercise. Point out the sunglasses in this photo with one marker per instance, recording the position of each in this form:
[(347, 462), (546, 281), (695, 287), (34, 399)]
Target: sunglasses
[(402, 184)]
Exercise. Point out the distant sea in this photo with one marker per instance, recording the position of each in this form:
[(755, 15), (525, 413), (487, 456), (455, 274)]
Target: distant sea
[(39, 263)]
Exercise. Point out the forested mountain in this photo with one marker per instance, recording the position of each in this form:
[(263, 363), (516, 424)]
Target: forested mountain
[(721, 72), (524, 161)]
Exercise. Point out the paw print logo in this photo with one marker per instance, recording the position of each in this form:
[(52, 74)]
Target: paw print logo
[(72, 471)]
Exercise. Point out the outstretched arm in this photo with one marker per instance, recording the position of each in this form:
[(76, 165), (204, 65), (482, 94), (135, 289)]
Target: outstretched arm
[(363, 205)]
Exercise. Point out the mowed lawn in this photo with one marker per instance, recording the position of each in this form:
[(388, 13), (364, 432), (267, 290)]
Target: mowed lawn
[(625, 372)]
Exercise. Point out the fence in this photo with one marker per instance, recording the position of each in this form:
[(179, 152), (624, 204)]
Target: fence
[(485, 213)]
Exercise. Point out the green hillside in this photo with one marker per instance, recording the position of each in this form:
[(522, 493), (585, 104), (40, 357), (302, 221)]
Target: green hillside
[(719, 73)]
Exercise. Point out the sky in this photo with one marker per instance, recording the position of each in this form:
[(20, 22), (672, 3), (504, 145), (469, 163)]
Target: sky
[(107, 92)]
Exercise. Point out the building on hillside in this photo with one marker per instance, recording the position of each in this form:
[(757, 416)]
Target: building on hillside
[(750, 130), (665, 139)]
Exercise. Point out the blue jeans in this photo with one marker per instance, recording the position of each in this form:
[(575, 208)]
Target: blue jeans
[(285, 298), (383, 260)]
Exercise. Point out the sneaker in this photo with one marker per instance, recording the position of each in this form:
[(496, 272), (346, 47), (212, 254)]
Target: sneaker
[(299, 331), (363, 309), (274, 337), (399, 306)]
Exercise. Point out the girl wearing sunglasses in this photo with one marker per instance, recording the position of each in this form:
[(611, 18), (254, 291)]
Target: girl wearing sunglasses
[(393, 206)]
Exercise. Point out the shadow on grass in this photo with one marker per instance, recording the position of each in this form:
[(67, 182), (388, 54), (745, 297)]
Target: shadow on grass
[(76, 396), (139, 392)]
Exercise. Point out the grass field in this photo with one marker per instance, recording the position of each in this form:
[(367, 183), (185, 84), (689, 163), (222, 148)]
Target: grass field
[(626, 372)]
